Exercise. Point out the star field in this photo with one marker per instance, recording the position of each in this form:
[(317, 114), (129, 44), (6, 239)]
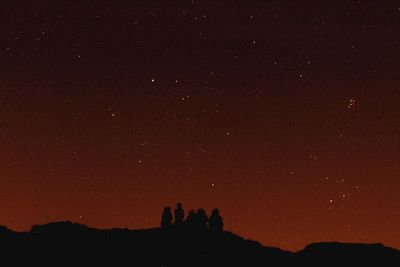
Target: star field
[(285, 115)]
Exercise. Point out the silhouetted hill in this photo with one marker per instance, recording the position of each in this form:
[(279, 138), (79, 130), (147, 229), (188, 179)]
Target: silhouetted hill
[(341, 254), (77, 245)]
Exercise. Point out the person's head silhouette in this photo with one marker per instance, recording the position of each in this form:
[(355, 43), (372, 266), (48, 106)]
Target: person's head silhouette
[(215, 212)]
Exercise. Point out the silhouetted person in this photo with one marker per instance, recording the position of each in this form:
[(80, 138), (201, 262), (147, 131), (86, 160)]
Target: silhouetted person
[(179, 214), (201, 220), (166, 220), (216, 222), (191, 220)]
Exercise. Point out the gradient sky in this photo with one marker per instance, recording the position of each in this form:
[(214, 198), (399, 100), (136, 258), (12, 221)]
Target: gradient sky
[(283, 114)]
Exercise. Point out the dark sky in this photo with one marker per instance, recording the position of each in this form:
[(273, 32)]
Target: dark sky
[(284, 114)]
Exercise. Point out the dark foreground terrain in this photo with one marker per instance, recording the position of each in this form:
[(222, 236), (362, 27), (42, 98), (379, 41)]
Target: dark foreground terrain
[(61, 243)]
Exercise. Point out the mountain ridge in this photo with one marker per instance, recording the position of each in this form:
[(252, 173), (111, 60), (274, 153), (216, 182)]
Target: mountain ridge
[(176, 247)]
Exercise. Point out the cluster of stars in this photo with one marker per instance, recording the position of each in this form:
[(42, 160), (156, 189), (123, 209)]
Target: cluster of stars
[(351, 103)]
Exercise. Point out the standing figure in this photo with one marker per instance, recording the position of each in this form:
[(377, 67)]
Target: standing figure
[(179, 215), (191, 220), (201, 220), (216, 222), (166, 220)]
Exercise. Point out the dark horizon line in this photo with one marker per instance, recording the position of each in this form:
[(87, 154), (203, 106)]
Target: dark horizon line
[(69, 222)]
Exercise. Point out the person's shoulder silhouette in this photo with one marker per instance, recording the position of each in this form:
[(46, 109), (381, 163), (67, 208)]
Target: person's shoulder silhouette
[(216, 222), (166, 218)]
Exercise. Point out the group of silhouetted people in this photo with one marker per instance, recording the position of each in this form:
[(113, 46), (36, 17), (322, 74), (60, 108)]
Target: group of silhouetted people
[(195, 220)]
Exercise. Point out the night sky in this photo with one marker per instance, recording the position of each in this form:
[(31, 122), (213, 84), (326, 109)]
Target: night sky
[(283, 114)]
